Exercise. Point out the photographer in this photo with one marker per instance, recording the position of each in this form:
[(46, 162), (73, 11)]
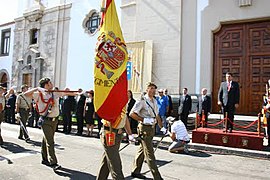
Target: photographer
[(179, 135)]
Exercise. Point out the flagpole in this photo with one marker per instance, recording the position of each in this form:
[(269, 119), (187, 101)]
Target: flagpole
[(67, 91), (103, 6)]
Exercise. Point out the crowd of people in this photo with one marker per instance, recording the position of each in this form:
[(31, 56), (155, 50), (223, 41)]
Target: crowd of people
[(21, 110), (151, 115)]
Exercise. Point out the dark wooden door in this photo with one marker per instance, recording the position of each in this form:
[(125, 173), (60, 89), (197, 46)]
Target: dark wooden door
[(27, 79), (244, 50)]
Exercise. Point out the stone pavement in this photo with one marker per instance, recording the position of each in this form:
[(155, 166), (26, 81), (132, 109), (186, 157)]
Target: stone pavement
[(166, 141)]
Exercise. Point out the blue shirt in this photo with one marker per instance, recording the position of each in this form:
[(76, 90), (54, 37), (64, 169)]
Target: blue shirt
[(162, 105)]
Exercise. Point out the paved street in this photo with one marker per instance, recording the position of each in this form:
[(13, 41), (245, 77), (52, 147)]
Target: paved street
[(80, 158)]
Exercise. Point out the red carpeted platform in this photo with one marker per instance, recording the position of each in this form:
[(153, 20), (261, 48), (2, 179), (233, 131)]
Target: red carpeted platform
[(237, 139)]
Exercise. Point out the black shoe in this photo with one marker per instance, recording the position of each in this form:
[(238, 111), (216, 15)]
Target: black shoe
[(45, 162), (139, 176), (55, 166), (1, 141), (21, 138), (27, 140)]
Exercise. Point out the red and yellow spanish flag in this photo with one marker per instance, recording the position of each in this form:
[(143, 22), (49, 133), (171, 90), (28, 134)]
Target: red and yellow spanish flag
[(110, 75)]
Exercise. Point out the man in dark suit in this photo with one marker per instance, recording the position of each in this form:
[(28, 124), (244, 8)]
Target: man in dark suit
[(67, 109), (228, 98), (184, 106), (79, 111), (204, 105)]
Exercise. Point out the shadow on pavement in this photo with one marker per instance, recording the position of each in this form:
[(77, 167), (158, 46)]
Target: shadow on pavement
[(2, 158), (57, 146), (73, 174), (159, 164), (34, 143), (198, 154), (14, 148), (130, 177)]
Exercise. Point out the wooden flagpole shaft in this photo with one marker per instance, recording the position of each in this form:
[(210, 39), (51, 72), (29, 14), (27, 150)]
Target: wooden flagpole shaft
[(66, 91)]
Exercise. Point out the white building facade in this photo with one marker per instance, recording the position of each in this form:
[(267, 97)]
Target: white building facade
[(194, 46), (6, 52), (56, 39)]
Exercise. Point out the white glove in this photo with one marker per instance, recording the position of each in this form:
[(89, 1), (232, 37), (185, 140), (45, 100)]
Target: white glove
[(17, 116), (148, 121), (41, 89), (131, 138), (163, 130)]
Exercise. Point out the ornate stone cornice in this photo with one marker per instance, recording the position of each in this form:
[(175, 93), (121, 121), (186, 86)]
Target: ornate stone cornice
[(34, 15)]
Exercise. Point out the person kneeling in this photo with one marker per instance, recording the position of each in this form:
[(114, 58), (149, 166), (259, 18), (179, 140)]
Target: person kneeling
[(180, 137)]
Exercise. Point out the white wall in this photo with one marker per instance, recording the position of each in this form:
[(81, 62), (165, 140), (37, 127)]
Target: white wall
[(188, 44), (158, 21), (6, 61), (81, 48)]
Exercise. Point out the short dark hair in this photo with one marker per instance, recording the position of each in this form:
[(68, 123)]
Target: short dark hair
[(185, 88), (91, 92), (151, 84), (24, 86), (228, 73), (44, 81)]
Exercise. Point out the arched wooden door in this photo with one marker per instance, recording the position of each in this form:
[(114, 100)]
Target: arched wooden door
[(244, 50), (3, 80)]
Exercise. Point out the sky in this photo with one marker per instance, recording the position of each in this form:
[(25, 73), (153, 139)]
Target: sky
[(8, 10)]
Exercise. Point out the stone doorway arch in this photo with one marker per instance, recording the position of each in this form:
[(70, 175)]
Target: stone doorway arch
[(4, 78)]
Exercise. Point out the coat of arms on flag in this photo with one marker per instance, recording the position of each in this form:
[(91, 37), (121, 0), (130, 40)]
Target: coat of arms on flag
[(109, 53), (110, 73)]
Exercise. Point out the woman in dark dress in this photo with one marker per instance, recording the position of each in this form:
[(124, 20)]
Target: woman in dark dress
[(89, 111), (133, 122)]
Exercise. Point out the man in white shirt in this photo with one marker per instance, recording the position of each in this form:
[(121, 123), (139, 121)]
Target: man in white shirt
[(179, 135)]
